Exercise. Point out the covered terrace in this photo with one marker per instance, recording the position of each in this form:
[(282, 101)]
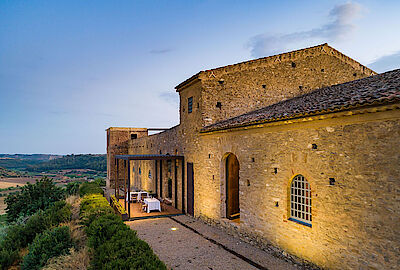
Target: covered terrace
[(145, 203)]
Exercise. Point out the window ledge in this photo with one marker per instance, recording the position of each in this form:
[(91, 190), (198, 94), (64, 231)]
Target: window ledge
[(301, 222)]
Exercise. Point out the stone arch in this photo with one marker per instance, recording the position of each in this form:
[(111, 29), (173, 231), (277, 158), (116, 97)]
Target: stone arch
[(230, 182)]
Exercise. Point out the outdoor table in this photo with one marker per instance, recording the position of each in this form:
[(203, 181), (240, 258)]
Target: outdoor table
[(152, 204), (139, 194)]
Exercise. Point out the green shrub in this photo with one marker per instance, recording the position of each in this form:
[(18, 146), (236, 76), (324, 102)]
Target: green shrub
[(31, 198), (3, 225), (103, 228), (59, 212), (91, 215), (72, 188), (90, 188), (42, 220), (50, 243), (10, 245), (18, 236), (92, 207), (15, 237), (8, 257), (127, 252), (93, 201), (100, 181), (114, 245)]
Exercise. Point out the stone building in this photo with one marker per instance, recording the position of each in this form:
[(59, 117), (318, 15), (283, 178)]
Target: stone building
[(299, 150)]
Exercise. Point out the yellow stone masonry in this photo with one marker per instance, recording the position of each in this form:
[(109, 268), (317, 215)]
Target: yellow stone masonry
[(355, 221)]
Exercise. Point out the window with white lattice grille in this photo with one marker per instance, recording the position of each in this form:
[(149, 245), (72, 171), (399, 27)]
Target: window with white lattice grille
[(300, 200)]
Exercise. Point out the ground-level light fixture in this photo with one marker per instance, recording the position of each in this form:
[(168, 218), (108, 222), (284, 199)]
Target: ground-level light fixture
[(174, 229)]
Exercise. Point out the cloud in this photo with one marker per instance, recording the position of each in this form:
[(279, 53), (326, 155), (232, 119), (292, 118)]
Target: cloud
[(340, 27), (170, 97), (386, 63), (161, 51)]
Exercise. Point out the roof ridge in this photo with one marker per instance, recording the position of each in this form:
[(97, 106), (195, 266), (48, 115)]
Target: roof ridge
[(291, 55), (269, 57), (285, 56)]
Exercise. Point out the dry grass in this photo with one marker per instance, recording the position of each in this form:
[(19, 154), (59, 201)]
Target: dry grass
[(3, 206), (75, 201), (76, 260), (14, 181), (4, 184), (77, 233), (79, 258)]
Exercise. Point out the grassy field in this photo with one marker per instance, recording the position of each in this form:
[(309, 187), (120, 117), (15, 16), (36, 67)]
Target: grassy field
[(17, 181)]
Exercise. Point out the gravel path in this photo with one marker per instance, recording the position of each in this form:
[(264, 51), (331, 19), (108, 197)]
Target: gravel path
[(185, 243)]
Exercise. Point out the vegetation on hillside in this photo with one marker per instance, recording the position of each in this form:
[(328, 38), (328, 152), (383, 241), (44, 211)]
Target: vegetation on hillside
[(51, 243), (31, 198), (45, 163), (92, 162), (4, 173), (20, 235), (70, 234), (35, 157), (18, 164)]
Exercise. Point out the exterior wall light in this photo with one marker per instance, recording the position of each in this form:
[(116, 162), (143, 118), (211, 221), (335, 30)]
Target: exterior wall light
[(314, 146), (332, 181)]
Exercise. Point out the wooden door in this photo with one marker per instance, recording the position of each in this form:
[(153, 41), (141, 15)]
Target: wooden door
[(190, 189), (232, 187)]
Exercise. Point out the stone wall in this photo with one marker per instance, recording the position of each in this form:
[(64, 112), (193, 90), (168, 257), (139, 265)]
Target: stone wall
[(167, 142), (117, 144), (355, 222), (243, 88)]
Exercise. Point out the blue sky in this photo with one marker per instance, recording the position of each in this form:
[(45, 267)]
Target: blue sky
[(71, 69)]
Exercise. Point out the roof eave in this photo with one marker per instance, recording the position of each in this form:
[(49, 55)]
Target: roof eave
[(188, 82), (301, 115)]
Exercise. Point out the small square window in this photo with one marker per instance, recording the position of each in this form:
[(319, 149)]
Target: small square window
[(133, 136), (190, 104)]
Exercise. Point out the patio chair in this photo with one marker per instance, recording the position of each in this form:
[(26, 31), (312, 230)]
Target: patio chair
[(144, 207), (134, 197), (144, 196)]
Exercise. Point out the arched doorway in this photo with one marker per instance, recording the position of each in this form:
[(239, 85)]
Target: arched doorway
[(232, 187)]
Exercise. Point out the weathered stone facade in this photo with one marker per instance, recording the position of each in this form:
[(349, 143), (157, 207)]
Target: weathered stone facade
[(118, 144), (354, 220)]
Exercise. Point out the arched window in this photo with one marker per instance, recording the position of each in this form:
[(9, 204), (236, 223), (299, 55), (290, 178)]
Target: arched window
[(300, 200), (149, 174)]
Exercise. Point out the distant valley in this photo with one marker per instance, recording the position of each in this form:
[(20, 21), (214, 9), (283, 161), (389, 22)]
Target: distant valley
[(18, 169)]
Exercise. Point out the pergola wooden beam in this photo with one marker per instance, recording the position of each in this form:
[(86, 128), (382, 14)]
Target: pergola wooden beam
[(148, 157)]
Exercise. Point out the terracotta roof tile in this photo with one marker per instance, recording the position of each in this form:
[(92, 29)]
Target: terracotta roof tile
[(377, 89)]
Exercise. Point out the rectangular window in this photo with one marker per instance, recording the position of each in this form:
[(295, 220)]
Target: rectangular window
[(190, 104)]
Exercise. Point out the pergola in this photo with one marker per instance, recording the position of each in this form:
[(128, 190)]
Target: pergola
[(157, 159)]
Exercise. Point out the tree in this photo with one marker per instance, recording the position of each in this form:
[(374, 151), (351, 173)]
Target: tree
[(31, 198)]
